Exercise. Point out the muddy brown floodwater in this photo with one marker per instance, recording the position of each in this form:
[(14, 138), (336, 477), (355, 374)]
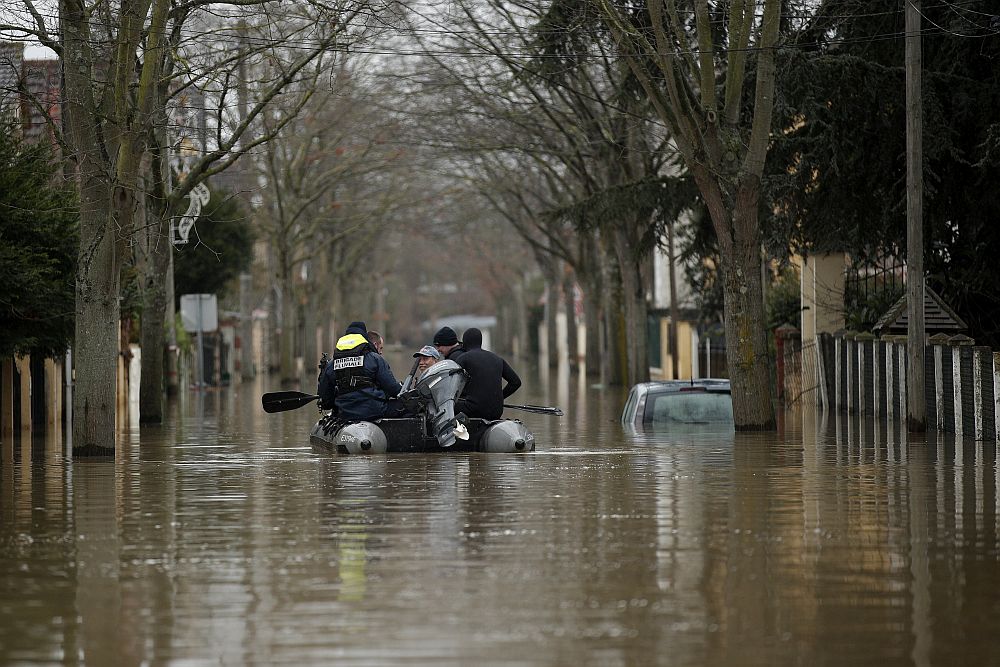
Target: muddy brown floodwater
[(223, 537)]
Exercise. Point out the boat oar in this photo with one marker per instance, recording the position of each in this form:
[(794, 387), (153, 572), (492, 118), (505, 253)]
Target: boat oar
[(538, 409), (279, 401)]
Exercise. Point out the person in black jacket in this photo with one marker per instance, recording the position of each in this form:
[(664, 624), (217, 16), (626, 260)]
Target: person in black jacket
[(446, 342), (483, 395)]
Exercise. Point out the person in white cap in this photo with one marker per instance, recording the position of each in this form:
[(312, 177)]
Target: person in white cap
[(426, 357)]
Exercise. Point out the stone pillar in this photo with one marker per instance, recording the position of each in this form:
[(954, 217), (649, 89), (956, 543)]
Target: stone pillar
[(822, 295)]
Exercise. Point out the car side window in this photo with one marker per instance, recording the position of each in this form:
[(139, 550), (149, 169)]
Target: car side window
[(629, 411)]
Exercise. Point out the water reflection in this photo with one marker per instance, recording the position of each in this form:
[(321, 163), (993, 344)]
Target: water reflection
[(222, 536)]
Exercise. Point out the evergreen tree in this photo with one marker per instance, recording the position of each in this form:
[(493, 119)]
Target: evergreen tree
[(837, 168), (39, 231)]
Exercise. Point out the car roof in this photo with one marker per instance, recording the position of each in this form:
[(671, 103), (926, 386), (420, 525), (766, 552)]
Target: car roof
[(719, 384)]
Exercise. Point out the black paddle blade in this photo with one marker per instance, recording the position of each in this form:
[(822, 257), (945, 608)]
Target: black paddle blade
[(280, 401), (537, 409)]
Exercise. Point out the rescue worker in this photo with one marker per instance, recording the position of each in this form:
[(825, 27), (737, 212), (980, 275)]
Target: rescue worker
[(446, 342), (358, 383), (483, 395), (378, 343)]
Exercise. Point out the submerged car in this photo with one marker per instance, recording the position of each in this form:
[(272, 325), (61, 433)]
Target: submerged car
[(705, 403)]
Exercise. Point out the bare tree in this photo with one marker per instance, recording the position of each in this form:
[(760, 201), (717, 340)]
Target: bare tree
[(332, 183), (576, 116), (692, 65), (122, 63)]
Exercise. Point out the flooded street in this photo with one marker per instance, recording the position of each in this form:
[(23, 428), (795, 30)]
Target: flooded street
[(224, 537)]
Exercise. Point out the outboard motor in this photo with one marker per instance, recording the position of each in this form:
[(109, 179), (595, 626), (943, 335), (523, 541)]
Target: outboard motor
[(439, 386)]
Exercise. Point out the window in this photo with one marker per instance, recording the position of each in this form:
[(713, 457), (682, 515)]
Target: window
[(689, 407)]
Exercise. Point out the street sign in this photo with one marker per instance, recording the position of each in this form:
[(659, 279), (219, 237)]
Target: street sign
[(199, 312)]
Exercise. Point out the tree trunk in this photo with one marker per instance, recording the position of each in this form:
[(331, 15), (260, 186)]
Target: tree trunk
[(592, 323), (287, 337), (569, 301), (170, 315), (521, 320), (635, 311), (616, 354), (551, 308), (310, 355), (746, 339), (246, 328), (590, 270), (155, 245), (96, 344), (675, 308), (154, 308)]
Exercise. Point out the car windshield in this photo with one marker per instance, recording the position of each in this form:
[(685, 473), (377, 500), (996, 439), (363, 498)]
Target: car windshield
[(688, 407)]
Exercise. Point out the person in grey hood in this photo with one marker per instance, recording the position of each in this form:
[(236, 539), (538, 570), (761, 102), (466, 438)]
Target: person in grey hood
[(485, 392)]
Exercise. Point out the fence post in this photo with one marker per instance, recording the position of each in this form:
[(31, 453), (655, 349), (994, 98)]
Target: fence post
[(996, 394), (7, 393), (851, 357), (53, 393), (838, 382), (24, 368), (956, 388), (781, 335), (878, 377), (977, 390), (939, 413), (890, 379), (866, 373), (779, 352), (902, 380)]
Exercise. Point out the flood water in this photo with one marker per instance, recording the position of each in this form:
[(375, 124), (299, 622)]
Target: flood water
[(223, 537)]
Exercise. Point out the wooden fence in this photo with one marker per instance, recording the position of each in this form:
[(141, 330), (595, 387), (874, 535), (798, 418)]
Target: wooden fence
[(860, 374)]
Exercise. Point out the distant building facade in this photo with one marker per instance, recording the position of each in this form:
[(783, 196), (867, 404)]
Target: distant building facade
[(30, 94)]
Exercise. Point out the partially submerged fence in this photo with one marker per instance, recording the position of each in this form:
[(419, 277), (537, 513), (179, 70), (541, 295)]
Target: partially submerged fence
[(860, 374)]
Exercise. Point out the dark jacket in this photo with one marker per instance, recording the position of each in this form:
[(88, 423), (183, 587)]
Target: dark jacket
[(483, 396), (456, 353), (363, 404)]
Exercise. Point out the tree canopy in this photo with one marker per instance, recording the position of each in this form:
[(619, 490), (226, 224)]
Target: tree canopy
[(837, 168), (220, 248), (38, 244)]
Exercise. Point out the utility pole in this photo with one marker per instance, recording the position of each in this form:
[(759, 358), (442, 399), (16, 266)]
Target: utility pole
[(915, 407)]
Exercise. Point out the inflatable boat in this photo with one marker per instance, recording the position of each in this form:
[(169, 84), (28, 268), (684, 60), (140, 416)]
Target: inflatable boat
[(430, 426)]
